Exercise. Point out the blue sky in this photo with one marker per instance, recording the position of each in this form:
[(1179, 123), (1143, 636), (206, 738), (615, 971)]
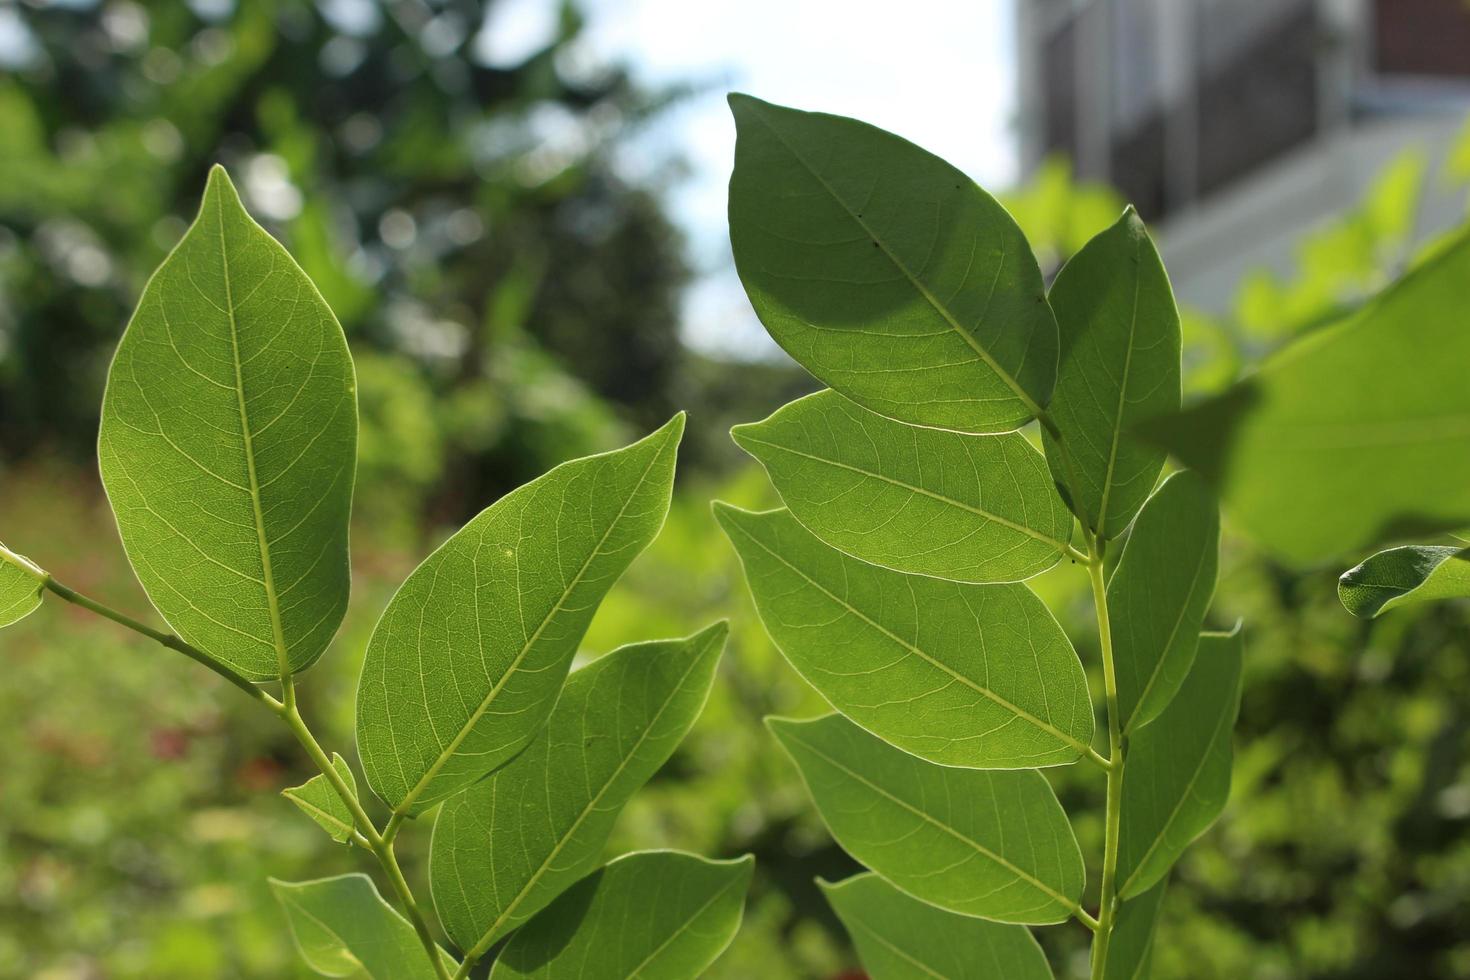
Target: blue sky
[(939, 72)]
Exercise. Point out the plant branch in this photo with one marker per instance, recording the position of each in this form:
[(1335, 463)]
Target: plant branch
[(1107, 904)]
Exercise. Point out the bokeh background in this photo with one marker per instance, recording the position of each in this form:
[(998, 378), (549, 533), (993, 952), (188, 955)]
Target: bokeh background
[(516, 209)]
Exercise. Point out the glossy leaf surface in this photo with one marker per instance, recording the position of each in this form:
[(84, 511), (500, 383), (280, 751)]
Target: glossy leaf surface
[(899, 937), (506, 847), (1159, 593), (343, 928), (993, 844), (655, 915), (966, 675), (467, 661), (1355, 435), (887, 273), (1119, 364), (319, 800), (228, 446), (1177, 776), (960, 507), (1403, 576)]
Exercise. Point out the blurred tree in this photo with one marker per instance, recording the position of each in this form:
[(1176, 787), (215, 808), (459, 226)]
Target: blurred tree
[(457, 204)]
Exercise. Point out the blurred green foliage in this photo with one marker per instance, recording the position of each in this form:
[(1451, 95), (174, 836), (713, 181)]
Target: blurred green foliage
[(512, 302)]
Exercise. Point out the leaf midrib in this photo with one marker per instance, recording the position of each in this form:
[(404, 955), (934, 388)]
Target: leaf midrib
[(448, 751), (488, 937), (897, 950), (273, 604), (1000, 701), (1107, 487), (683, 927), (1173, 634), (943, 311), (979, 848), (941, 498)]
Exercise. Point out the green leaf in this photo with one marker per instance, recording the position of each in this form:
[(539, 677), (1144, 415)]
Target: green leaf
[(1131, 948), (964, 675), (228, 446), (467, 661), (1177, 775), (342, 926), (901, 938), (1120, 345), (887, 273), (1357, 434), (506, 847), (1401, 576), (21, 584), (960, 507), (1159, 593), (318, 799), (993, 844), (655, 915)]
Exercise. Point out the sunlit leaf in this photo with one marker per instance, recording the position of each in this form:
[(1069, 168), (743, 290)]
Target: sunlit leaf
[(1130, 949), (1177, 775), (228, 446), (961, 507), (887, 273), (319, 800), (1354, 435), (655, 915), (1159, 593), (467, 661), (1120, 344), (506, 847), (1402, 576), (901, 938), (343, 928), (966, 675), (994, 844), (20, 587)]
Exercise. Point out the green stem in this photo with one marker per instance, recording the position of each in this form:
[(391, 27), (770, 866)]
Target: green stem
[(1108, 903)]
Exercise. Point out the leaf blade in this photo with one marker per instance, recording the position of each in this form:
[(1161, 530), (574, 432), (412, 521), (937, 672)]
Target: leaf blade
[(1177, 776), (1159, 593), (1130, 951), (988, 843), (318, 799), (913, 270), (594, 924), (901, 938), (21, 585), (228, 443), (923, 501), (855, 632), (342, 927), (531, 545), (1404, 576), (617, 721), (1119, 364)]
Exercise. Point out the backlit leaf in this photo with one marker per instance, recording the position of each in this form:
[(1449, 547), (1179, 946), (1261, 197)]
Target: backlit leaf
[(901, 938), (228, 446), (1159, 593), (966, 508), (965, 675), (1120, 344), (1402, 576), (1177, 775), (507, 846), (989, 843), (343, 928), (1357, 434), (887, 273), (467, 661), (1131, 948), (319, 800), (20, 587), (655, 915)]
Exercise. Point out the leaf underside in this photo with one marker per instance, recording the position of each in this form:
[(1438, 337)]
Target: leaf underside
[(343, 928), (467, 661), (20, 592), (1404, 576), (318, 799), (228, 446)]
